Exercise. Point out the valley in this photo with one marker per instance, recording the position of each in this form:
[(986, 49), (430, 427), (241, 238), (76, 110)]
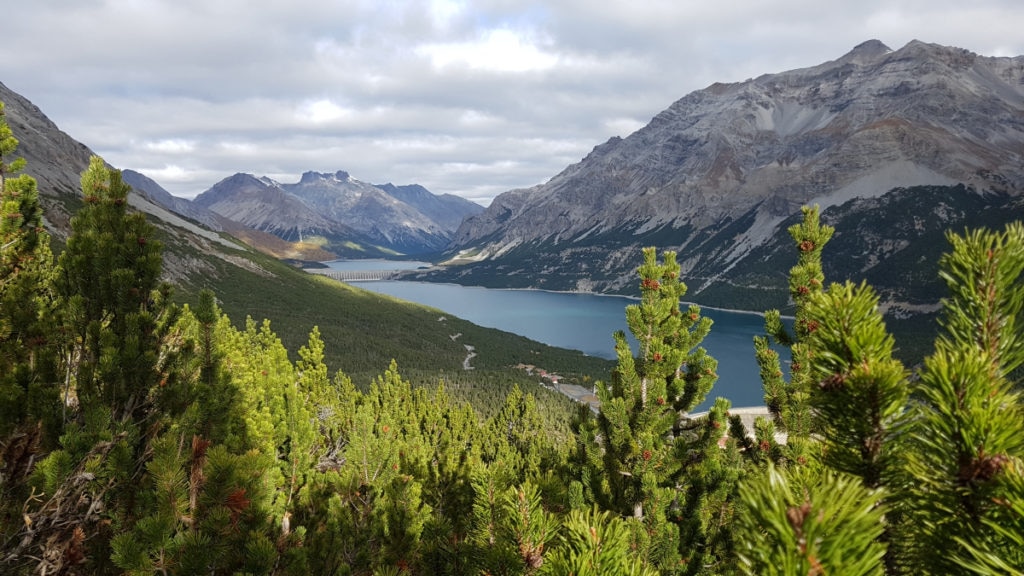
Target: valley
[(775, 329)]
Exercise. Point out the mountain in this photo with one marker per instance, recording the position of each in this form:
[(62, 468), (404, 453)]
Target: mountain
[(447, 210), (895, 146), (54, 159), (263, 204), (356, 219), (262, 241), (347, 216), (193, 253), (384, 219), (156, 194)]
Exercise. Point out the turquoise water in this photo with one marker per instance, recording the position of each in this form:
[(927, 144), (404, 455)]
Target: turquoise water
[(586, 322)]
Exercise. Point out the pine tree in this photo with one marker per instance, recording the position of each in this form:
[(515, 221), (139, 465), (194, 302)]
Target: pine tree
[(27, 383), (451, 433), (30, 420), (115, 306), (792, 525), (966, 435), (352, 510), (215, 396), (277, 419), (705, 504), (527, 527), (790, 402), (207, 514), (1007, 525), (643, 450), (113, 316), (517, 442), (596, 543), (318, 395), (322, 504), (491, 552), (858, 390), (949, 462)]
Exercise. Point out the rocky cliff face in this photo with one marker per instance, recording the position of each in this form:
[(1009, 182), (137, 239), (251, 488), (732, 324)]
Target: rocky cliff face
[(718, 174)]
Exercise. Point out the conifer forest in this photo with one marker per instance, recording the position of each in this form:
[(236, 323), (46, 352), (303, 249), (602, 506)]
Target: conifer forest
[(143, 436)]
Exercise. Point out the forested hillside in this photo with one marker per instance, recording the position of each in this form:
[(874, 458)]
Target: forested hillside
[(138, 436)]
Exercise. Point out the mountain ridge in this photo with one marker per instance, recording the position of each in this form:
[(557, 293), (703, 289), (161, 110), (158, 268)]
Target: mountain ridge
[(264, 205), (342, 210), (741, 158)]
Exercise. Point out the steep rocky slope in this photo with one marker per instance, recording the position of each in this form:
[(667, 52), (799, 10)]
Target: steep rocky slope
[(720, 173), (193, 253), (54, 159), (156, 193)]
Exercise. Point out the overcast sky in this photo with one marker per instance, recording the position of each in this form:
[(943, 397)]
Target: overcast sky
[(465, 97)]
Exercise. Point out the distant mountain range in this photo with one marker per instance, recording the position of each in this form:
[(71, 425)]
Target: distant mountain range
[(322, 216), (895, 146), (341, 212)]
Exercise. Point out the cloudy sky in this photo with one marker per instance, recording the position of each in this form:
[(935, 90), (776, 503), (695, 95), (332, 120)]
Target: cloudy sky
[(465, 97)]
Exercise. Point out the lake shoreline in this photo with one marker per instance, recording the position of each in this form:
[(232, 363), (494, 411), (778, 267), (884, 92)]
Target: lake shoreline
[(584, 321), (601, 294), (403, 271)]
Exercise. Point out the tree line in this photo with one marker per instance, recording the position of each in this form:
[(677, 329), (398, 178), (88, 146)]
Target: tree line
[(142, 437)]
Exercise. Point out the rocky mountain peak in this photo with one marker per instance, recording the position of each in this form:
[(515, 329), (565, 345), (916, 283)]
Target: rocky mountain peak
[(313, 177), (953, 57), (447, 210), (310, 177), (243, 178), (866, 52), (238, 183)]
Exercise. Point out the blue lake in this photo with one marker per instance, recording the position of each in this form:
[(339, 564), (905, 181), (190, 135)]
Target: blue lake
[(586, 322)]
